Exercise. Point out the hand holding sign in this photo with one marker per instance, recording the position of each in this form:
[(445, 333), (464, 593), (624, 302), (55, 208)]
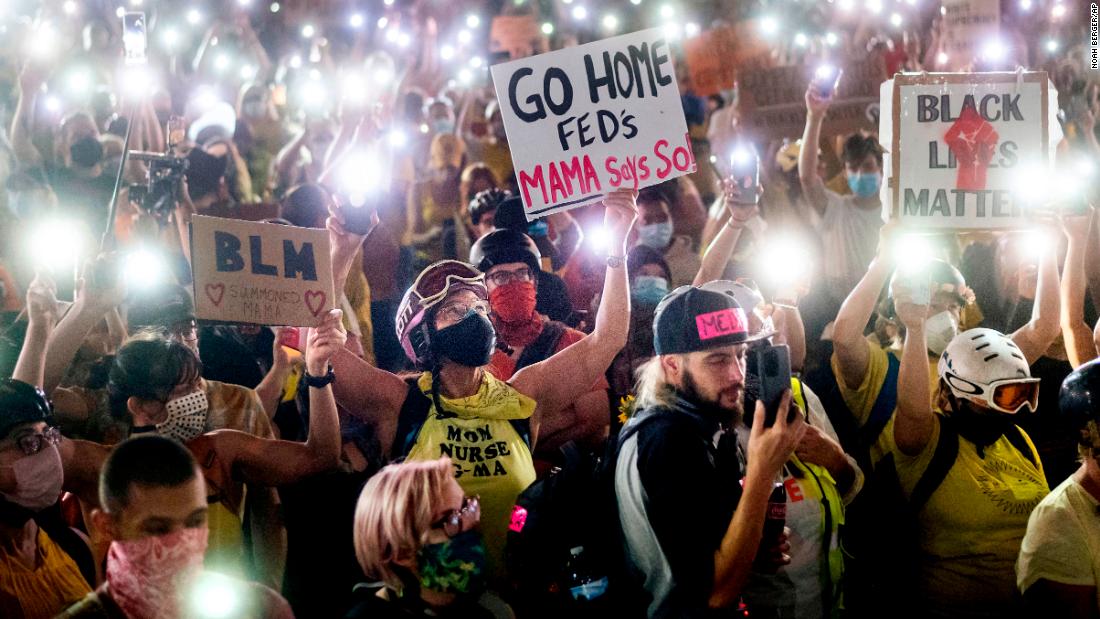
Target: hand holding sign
[(621, 210), (324, 341)]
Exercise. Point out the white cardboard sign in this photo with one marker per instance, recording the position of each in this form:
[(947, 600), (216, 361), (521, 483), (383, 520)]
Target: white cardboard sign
[(586, 120), (959, 143)]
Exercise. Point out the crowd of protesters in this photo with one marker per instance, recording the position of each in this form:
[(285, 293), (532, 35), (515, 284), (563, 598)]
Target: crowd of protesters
[(511, 418)]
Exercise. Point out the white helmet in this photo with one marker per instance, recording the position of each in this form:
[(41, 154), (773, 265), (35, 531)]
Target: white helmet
[(987, 368), (748, 297)]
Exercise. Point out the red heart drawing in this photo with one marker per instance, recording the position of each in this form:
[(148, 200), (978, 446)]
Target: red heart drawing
[(315, 301), (211, 289)]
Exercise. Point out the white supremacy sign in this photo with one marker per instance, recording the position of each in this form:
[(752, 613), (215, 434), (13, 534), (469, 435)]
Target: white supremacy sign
[(586, 120), (960, 143)]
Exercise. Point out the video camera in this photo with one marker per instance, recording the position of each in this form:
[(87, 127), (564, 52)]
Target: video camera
[(160, 191)]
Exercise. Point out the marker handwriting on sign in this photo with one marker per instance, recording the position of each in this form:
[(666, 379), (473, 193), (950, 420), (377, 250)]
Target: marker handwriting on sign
[(991, 107), (722, 322), (635, 72), (559, 181), (296, 262)]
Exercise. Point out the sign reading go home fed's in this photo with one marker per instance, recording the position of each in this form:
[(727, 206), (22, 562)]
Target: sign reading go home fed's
[(587, 120), (959, 145)]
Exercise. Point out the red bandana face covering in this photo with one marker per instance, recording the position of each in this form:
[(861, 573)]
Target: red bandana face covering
[(147, 577), (514, 316)]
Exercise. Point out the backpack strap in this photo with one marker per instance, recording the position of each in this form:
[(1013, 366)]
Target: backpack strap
[(947, 451), (414, 412), (883, 408), (543, 346)]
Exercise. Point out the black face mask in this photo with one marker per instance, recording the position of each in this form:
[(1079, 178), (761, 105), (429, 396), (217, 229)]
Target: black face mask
[(981, 428), (469, 342), (86, 152)]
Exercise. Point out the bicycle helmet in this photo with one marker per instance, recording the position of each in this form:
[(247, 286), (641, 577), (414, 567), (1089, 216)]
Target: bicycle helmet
[(987, 368)]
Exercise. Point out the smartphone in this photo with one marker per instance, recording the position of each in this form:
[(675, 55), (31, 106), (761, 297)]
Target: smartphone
[(357, 219), (745, 173), (773, 366), (918, 284), (134, 40), (826, 80), (292, 337)]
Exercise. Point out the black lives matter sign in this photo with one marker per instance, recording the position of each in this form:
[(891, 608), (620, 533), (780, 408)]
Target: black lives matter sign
[(960, 145)]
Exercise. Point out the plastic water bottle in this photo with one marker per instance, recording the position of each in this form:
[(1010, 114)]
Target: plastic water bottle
[(584, 584)]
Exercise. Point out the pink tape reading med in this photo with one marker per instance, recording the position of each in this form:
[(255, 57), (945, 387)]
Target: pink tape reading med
[(722, 322)]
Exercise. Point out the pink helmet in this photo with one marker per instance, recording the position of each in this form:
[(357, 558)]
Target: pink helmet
[(434, 284)]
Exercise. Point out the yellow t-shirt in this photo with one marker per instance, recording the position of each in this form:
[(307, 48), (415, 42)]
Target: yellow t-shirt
[(972, 525), (491, 459), (45, 591), (861, 400)]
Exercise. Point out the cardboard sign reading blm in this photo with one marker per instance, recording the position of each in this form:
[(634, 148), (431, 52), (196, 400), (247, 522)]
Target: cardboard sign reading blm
[(960, 143), (586, 120), (268, 274)]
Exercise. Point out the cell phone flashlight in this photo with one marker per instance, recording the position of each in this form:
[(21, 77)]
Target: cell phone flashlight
[(826, 80), (773, 365), (133, 37), (917, 283), (745, 173)]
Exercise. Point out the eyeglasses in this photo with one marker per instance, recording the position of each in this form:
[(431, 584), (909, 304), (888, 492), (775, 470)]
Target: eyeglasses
[(456, 311), (503, 278), (1006, 396), (451, 522), (31, 444)]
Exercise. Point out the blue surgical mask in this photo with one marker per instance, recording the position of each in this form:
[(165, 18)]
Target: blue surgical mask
[(649, 289), (443, 125), (656, 235), (538, 229), (863, 184)]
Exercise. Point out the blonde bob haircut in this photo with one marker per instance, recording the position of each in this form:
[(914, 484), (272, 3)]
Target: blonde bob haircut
[(394, 516)]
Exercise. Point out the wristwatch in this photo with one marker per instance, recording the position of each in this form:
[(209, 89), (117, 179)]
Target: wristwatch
[(615, 262), (320, 382)]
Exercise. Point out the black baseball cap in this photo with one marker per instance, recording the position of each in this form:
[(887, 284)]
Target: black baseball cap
[(691, 319), (21, 403)]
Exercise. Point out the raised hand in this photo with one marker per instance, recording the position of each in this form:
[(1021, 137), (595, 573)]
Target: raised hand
[(621, 208), (815, 104), (740, 212), (771, 447), (42, 307), (324, 341)]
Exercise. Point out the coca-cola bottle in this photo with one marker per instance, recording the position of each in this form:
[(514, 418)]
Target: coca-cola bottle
[(775, 519)]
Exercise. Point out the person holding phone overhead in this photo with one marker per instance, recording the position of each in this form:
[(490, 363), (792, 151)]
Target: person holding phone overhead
[(971, 476), (848, 223), (678, 452)]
